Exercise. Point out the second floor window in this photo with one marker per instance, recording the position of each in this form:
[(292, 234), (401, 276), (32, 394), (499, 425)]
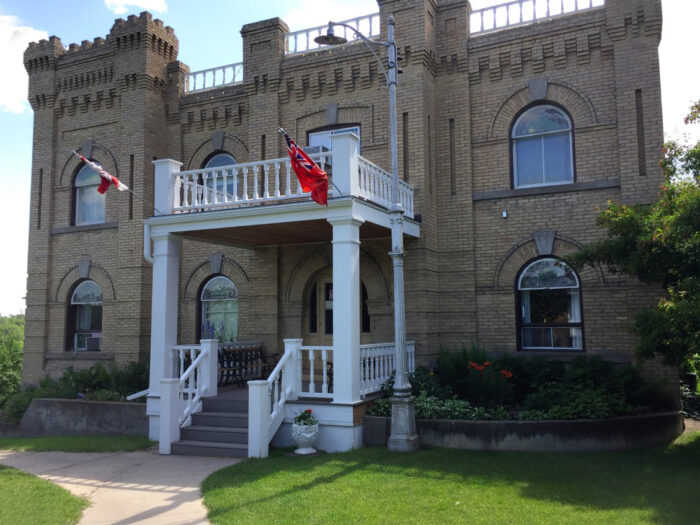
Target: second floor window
[(542, 148), (89, 204)]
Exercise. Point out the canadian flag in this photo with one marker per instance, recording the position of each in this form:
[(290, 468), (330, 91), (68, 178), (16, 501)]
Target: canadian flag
[(107, 179)]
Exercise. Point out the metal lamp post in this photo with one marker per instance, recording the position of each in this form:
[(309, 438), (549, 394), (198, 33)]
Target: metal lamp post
[(403, 419)]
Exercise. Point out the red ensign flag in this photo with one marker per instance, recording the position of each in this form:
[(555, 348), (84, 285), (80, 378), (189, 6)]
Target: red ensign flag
[(107, 179), (311, 177)]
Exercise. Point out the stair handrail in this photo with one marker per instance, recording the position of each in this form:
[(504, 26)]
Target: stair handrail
[(181, 396), (267, 399)]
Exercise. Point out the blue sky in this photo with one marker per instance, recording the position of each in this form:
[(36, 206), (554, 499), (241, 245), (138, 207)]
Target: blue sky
[(208, 31)]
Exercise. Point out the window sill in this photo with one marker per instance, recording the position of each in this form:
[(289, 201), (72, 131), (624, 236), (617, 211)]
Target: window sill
[(85, 228), (79, 356), (545, 190)]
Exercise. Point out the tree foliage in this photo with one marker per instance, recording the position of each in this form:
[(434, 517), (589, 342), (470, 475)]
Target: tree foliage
[(11, 343), (660, 244)]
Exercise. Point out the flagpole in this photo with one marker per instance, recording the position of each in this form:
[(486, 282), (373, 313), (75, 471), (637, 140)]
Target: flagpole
[(404, 437)]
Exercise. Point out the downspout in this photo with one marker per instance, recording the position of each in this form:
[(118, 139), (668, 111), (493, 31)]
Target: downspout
[(147, 242)]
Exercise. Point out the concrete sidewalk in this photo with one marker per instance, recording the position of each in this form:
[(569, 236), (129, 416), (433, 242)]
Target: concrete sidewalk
[(126, 487)]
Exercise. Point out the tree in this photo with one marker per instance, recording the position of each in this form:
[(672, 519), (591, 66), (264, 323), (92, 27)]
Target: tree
[(660, 244), (11, 342)]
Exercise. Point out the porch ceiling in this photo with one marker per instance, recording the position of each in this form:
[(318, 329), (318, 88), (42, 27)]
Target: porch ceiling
[(302, 232)]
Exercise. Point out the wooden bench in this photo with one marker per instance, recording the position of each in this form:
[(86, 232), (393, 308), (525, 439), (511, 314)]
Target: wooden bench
[(243, 361)]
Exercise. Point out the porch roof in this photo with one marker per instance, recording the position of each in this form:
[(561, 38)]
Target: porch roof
[(279, 224)]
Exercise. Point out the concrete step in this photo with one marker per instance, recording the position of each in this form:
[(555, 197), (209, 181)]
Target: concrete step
[(221, 419), (218, 404), (214, 433), (209, 448)]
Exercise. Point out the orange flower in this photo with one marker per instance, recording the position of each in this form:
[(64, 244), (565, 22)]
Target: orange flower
[(507, 374)]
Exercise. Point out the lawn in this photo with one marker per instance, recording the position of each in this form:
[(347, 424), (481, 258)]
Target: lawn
[(374, 486), (76, 444), (27, 499)]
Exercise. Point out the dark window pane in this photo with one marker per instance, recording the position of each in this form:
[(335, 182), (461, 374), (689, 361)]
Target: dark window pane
[(313, 310), (328, 307), (365, 310), (528, 158), (549, 306)]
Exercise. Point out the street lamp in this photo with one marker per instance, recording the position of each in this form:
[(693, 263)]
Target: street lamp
[(403, 418)]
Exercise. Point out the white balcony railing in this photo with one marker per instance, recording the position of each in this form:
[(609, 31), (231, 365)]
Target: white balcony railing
[(303, 41), (375, 186), (239, 185), (377, 362), (522, 12), (274, 181), (214, 78)]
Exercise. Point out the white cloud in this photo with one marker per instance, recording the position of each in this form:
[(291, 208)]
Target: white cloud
[(312, 13), (119, 7), (14, 39)]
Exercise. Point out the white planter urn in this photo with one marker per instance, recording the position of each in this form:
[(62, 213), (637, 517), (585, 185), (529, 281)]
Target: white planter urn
[(305, 437)]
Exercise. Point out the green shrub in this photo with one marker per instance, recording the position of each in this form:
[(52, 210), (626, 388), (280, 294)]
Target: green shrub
[(97, 383), (11, 343)]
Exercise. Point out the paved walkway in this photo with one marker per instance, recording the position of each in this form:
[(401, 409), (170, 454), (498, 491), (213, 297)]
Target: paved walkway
[(126, 487)]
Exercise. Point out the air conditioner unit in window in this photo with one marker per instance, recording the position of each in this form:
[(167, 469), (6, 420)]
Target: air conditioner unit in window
[(92, 344)]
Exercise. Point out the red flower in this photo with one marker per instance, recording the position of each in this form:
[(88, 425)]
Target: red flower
[(506, 374), (308, 411), (480, 368), (486, 363)]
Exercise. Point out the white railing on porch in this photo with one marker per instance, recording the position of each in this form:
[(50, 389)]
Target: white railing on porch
[(239, 185), (193, 374), (522, 12), (315, 371), (303, 41), (305, 371), (214, 77), (377, 362)]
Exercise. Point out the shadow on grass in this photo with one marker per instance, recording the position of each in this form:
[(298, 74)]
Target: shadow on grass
[(660, 484)]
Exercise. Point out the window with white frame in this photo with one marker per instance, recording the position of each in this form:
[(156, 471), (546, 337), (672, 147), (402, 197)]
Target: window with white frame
[(322, 139), (85, 317), (549, 301), (89, 203), (219, 310), (542, 148)]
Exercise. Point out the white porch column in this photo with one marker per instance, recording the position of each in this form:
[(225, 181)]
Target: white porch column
[(164, 304), (346, 147), (164, 198), (210, 370), (346, 310)]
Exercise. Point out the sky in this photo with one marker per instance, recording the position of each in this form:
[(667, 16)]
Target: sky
[(209, 36)]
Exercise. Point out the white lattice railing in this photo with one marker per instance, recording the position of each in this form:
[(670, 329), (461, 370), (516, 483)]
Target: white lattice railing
[(314, 370), (375, 185), (522, 12), (214, 77), (303, 41), (239, 185), (193, 374), (377, 362)]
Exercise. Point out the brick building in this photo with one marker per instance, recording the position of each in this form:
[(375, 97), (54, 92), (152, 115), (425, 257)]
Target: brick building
[(509, 138)]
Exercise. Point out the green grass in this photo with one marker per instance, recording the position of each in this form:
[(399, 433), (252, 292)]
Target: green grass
[(27, 499), (76, 444), (373, 485)]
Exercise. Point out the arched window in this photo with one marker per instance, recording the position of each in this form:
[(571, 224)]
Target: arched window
[(89, 204), (542, 148), (220, 159), (85, 317), (549, 302), (219, 310)]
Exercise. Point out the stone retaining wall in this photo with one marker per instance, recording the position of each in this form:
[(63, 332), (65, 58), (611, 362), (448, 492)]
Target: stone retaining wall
[(61, 417), (619, 433)]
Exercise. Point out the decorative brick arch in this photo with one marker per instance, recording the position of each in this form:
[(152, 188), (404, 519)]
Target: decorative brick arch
[(526, 249), (202, 272), (573, 100), (228, 143), (95, 273), (99, 152)]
